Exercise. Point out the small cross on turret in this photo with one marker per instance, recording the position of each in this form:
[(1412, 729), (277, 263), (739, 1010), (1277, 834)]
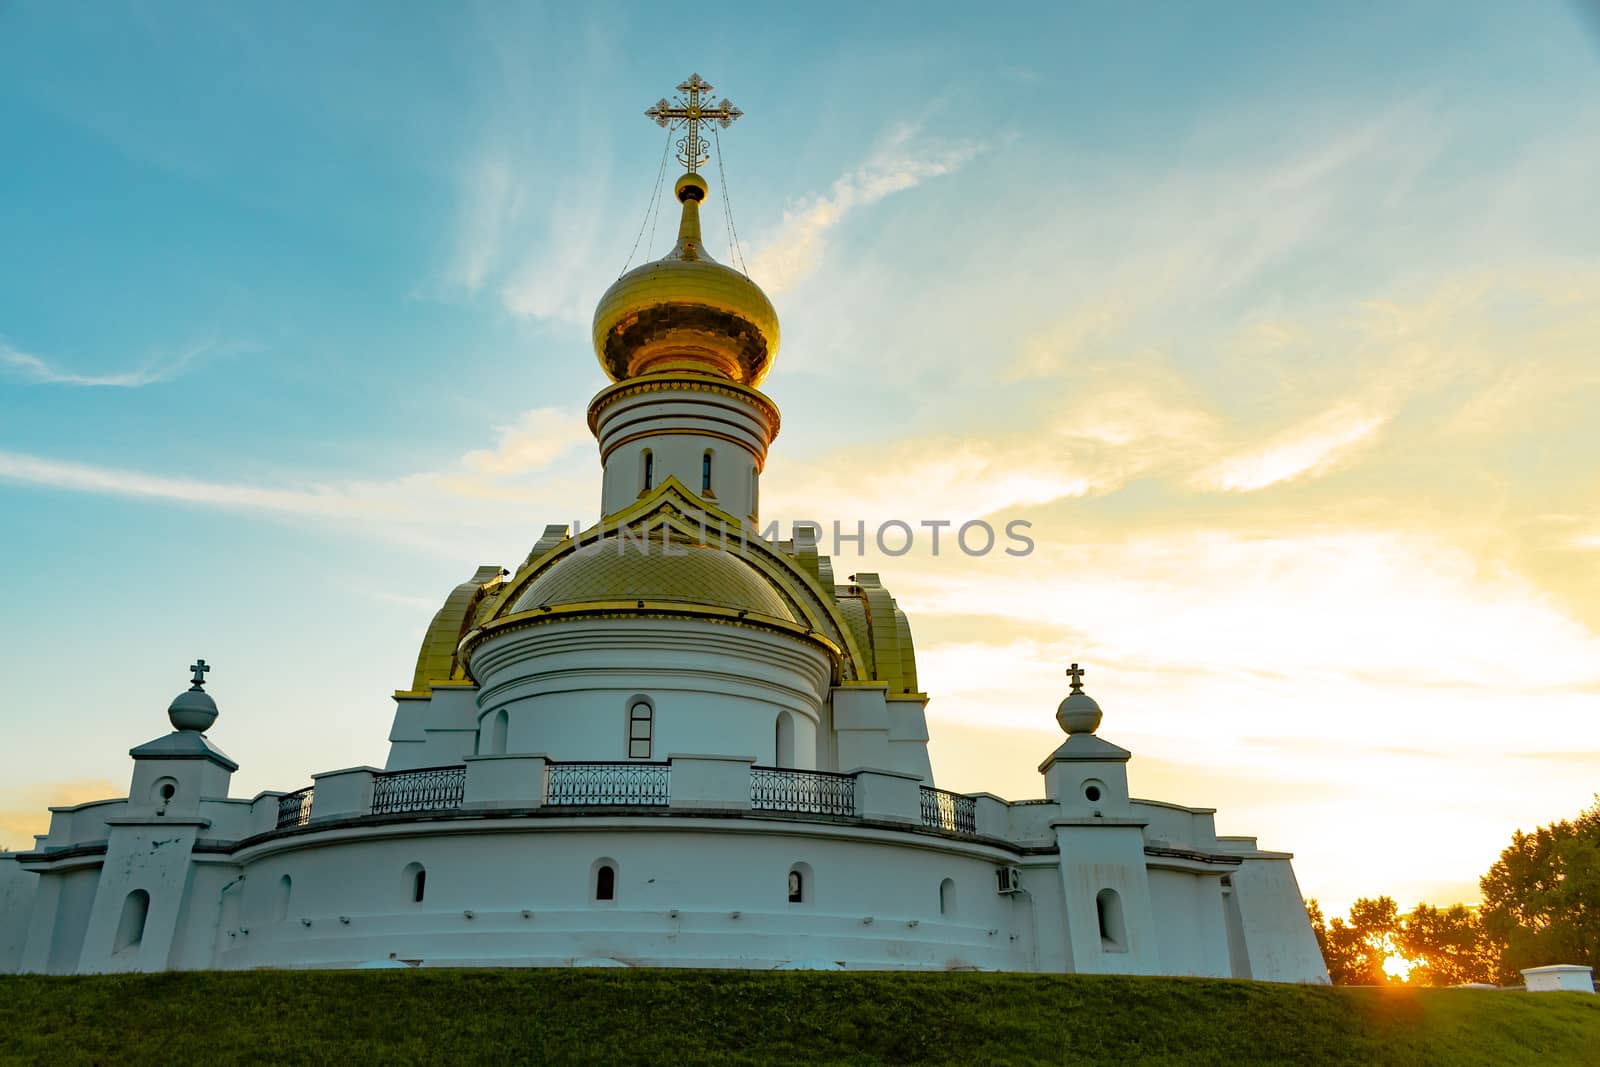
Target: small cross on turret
[(200, 667), (1075, 674)]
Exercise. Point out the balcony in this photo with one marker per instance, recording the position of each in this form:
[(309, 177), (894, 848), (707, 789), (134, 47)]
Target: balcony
[(691, 785)]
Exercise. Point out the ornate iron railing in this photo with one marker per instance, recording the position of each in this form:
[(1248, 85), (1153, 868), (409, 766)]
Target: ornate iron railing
[(429, 789), (634, 784), (294, 809), (950, 812), (812, 792)]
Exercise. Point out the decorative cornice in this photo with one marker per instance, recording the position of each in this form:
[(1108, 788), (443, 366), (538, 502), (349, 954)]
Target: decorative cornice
[(656, 383)]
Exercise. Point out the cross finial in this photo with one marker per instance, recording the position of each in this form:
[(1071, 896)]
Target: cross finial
[(199, 667), (1075, 673), (692, 107)]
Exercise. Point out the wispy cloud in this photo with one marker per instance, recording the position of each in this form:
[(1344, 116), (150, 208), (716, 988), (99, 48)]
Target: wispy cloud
[(37, 370), (535, 440), (1307, 450), (475, 484), (491, 203), (902, 161)]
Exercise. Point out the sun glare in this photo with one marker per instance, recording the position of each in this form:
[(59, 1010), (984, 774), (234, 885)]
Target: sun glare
[(1398, 967)]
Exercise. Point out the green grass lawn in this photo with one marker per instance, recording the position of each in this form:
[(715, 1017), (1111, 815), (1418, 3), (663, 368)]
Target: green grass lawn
[(667, 1017)]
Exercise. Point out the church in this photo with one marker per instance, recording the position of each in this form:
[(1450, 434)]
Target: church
[(667, 740)]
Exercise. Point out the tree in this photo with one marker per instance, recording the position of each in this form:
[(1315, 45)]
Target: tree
[(1541, 899), (1447, 946), (1354, 951)]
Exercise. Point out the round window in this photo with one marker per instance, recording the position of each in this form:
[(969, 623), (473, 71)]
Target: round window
[(1092, 792)]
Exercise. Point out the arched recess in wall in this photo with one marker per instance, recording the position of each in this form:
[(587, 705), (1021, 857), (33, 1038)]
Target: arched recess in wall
[(280, 897), (130, 928), (603, 880), (783, 741), (499, 726), (947, 897), (1113, 930), (414, 878), (801, 884)]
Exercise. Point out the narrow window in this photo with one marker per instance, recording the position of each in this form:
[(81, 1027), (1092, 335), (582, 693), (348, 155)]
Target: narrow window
[(705, 472), (416, 879), (130, 929), (797, 887), (605, 882), (1113, 934), (649, 470), (947, 897), (641, 728)]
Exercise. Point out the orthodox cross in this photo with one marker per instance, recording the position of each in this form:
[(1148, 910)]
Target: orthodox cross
[(691, 108), (1076, 673), (200, 667)]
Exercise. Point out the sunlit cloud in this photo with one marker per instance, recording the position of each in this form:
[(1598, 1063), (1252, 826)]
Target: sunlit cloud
[(534, 441), (1308, 450), (35, 369), (902, 161)]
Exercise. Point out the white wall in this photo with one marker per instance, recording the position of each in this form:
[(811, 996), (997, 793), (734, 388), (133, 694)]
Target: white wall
[(707, 869), (717, 689), (17, 888), (1189, 923)]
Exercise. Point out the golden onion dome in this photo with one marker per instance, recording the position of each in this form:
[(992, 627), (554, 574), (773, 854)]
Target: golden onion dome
[(686, 311), (617, 569)]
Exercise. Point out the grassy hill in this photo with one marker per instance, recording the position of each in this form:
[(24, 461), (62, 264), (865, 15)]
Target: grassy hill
[(669, 1017)]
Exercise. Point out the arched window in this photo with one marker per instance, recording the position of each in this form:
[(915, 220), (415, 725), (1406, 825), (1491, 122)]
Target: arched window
[(416, 881), (641, 728), (498, 727), (280, 902), (130, 928), (783, 742), (1113, 933), (649, 470), (605, 882), (705, 472), (947, 897)]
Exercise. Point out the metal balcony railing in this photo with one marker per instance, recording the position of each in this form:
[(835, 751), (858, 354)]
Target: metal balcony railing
[(808, 792), (949, 812), (294, 809), (638, 784), (429, 789)]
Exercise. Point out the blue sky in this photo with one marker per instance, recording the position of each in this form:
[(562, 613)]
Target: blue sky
[(1277, 321)]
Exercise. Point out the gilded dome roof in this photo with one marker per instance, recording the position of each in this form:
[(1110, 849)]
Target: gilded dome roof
[(686, 311), (616, 569)]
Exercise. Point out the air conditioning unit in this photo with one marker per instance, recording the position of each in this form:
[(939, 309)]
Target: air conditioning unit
[(1009, 878)]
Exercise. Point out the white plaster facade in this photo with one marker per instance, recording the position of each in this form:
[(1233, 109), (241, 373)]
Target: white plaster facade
[(649, 745), (891, 876)]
